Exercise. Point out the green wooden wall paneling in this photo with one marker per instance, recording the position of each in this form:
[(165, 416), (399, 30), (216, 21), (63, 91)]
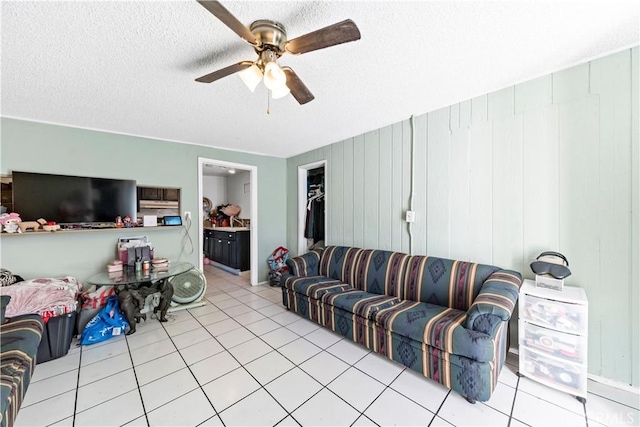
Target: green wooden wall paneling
[(385, 166), (552, 163), (419, 227), (347, 194), (634, 301), (398, 201), (480, 193), (610, 79), (371, 189), (437, 186)]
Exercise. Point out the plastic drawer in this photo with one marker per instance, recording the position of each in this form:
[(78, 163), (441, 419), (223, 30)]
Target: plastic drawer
[(553, 372), (569, 347), (56, 337), (561, 316)]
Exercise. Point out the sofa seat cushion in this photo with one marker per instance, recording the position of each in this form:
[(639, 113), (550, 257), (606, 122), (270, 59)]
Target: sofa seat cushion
[(363, 304), (436, 326), (315, 286)]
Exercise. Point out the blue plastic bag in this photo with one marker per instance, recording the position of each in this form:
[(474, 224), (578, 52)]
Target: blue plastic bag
[(108, 323)]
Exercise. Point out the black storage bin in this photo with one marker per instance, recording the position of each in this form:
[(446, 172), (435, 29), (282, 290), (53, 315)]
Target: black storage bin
[(56, 337)]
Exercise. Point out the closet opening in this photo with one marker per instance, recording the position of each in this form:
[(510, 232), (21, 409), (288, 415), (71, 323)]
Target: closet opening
[(312, 206)]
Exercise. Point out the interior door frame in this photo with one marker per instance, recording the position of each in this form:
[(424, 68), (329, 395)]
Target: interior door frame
[(253, 238), (302, 202)]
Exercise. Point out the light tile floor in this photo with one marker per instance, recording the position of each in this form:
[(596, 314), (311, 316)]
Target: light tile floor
[(244, 360)]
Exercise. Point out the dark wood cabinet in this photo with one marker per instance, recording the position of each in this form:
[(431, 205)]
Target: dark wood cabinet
[(206, 244), (231, 248), (154, 193), (171, 194), (147, 193)]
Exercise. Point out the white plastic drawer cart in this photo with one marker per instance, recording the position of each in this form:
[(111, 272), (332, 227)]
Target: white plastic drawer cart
[(552, 329)]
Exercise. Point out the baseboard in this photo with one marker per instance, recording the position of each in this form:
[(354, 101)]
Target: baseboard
[(226, 268), (263, 283), (613, 383), (606, 381), (177, 307)]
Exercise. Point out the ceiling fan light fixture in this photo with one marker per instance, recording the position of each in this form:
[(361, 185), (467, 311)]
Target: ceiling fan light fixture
[(280, 92), (251, 77), (231, 171), (274, 76)]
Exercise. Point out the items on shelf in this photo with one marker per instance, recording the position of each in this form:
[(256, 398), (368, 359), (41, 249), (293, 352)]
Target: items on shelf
[(114, 266), (10, 222), (160, 263)]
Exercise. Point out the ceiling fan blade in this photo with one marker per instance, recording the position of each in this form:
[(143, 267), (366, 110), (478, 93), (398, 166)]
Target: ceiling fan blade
[(342, 32), (227, 18), (224, 72), (297, 88)]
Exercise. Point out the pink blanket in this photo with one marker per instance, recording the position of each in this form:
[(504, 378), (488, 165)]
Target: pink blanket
[(48, 297)]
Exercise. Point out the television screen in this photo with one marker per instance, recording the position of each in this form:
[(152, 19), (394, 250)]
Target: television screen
[(72, 199)]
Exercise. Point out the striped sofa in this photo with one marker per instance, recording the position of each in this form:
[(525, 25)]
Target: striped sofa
[(443, 318), (20, 338)]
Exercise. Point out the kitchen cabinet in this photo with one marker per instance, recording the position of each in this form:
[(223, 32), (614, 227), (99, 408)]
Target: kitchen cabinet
[(171, 194), (230, 248), (156, 193)]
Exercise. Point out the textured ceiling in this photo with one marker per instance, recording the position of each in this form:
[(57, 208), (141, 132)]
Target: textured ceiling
[(129, 67)]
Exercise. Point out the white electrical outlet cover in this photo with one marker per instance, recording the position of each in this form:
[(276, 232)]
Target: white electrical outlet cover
[(411, 216)]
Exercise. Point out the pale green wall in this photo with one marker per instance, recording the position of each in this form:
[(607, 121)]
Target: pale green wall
[(547, 164), (36, 147)]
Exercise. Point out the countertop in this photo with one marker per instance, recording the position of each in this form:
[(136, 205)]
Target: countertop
[(234, 229)]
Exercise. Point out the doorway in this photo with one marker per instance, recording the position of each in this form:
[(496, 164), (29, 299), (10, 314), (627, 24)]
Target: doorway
[(242, 192), (312, 207)]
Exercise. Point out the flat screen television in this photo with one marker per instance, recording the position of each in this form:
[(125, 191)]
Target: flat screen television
[(72, 199)]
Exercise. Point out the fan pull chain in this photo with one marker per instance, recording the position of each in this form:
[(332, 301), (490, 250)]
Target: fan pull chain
[(268, 103)]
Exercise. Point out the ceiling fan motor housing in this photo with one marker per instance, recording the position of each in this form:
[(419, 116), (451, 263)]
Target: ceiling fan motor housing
[(270, 35)]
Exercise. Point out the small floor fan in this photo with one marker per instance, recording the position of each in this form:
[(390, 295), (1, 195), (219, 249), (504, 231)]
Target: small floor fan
[(188, 290)]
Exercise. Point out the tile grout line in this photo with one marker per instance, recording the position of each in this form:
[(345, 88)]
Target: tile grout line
[(191, 372), (325, 350), (295, 365), (440, 407), (513, 404), (381, 393), (135, 375), (75, 402), (242, 365)]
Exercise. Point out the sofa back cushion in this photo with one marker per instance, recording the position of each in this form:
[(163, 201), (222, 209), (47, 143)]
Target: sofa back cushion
[(338, 262), (380, 272), (304, 265), (443, 282)]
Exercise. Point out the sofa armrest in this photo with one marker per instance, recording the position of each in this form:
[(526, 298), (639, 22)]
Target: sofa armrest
[(495, 302), (304, 265)]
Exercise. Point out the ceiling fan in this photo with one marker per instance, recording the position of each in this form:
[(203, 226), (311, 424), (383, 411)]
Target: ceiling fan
[(269, 39)]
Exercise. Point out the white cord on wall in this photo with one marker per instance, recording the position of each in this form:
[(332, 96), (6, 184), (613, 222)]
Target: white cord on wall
[(413, 157), (186, 239)]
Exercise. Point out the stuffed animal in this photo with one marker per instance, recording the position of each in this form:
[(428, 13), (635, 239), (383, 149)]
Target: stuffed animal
[(26, 225), (48, 225), (10, 222)]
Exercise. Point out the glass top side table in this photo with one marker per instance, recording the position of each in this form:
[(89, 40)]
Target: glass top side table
[(133, 287), (129, 276)]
